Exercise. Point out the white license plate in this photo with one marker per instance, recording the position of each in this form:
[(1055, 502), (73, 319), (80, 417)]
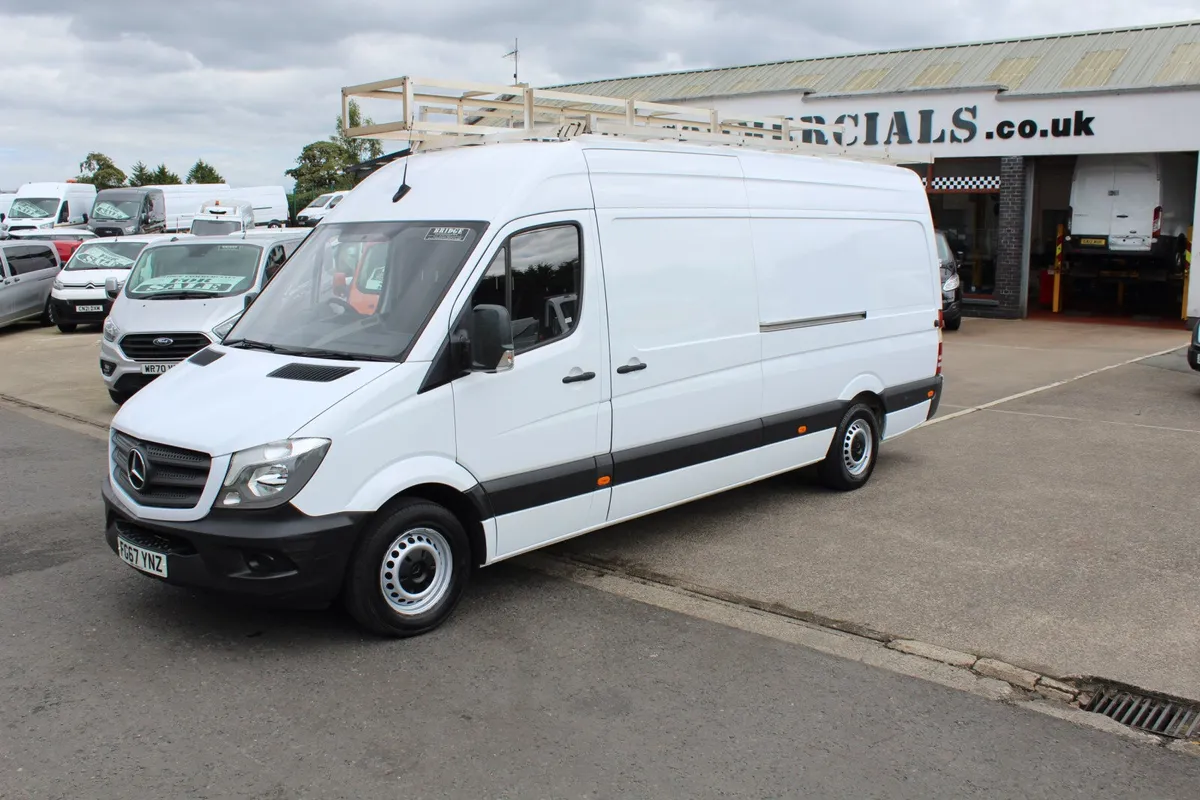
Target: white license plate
[(155, 369), (145, 560), (89, 309)]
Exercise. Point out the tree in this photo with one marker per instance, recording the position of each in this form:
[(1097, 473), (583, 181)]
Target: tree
[(203, 172), (356, 150), (319, 169), (140, 175), (100, 171), (161, 176)]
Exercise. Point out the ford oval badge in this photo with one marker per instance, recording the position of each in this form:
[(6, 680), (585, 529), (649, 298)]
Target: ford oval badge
[(164, 341)]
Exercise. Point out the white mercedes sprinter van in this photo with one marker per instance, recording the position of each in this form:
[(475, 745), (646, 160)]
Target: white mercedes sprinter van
[(486, 350)]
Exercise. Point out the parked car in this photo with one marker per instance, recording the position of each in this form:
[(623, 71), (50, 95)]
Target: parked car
[(64, 240), (315, 211), (951, 284), (27, 271), (218, 218), (129, 212), (39, 206), (319, 452), (78, 296), (181, 295)]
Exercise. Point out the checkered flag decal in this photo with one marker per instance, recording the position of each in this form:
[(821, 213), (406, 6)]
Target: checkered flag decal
[(971, 183)]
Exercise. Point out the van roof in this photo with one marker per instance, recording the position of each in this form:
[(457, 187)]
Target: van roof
[(143, 237), (37, 189), (263, 240), (502, 181)]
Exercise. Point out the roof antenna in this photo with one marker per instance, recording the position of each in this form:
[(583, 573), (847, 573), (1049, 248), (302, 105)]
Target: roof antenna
[(515, 55), (404, 187)]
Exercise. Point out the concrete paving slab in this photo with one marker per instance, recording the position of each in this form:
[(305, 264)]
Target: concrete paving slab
[(989, 359), (1067, 549), (54, 369)]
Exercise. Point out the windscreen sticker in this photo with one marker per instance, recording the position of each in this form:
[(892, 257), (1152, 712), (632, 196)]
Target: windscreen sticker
[(108, 211), (29, 209), (103, 257), (447, 234), (223, 284)]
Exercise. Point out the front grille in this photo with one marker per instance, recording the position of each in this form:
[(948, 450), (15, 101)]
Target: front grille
[(162, 346), (109, 232), (154, 541), (173, 477)]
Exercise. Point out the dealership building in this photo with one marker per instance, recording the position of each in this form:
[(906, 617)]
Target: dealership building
[(1011, 126)]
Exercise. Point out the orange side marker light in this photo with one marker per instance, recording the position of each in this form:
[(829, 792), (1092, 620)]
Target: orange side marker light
[(604, 480), (802, 429)]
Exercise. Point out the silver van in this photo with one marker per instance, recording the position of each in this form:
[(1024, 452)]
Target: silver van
[(27, 271)]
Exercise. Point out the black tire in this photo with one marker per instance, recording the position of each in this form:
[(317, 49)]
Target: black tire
[(118, 397), (834, 471), (67, 327), (47, 317), (366, 595), (953, 323)]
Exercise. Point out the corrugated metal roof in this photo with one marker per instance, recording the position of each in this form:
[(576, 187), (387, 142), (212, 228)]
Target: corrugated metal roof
[(1110, 60)]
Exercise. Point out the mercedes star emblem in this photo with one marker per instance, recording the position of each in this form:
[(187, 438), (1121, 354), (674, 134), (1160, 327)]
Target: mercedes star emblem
[(137, 469)]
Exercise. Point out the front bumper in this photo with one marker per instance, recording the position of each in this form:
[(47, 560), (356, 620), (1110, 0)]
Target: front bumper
[(123, 374), (307, 222), (1193, 357), (66, 304), (279, 555)]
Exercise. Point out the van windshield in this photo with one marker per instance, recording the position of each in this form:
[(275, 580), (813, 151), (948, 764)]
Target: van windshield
[(105, 255), (33, 207), (316, 306), (180, 271), (116, 209), (320, 201), (215, 227)]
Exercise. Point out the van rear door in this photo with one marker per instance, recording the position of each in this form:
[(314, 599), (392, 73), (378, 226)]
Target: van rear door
[(1136, 194), (1092, 200)]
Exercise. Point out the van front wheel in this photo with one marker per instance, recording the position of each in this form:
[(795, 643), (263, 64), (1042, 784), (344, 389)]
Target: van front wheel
[(852, 454), (409, 570)]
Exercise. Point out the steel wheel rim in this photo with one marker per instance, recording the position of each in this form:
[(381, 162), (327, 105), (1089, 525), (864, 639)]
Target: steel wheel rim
[(857, 447), (415, 572)]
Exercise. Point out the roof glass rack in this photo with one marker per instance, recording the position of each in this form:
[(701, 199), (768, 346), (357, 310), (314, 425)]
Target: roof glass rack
[(436, 114)]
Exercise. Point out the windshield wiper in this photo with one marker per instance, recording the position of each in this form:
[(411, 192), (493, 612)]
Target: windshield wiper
[(185, 294), (317, 352), (250, 344)]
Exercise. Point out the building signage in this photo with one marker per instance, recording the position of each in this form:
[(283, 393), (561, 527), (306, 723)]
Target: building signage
[(963, 126)]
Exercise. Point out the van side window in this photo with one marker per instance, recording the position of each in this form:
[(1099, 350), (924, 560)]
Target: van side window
[(30, 258), (64, 214), (537, 276)]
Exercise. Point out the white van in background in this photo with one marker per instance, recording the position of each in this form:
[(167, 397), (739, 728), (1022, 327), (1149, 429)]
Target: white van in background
[(373, 426), (183, 202), (39, 206), (1132, 205), (217, 218), (315, 211), (270, 204)]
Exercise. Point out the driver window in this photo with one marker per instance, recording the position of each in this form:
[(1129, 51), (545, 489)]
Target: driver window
[(64, 213), (537, 276)]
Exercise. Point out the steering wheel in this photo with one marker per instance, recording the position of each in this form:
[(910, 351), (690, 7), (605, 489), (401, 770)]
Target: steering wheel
[(344, 304)]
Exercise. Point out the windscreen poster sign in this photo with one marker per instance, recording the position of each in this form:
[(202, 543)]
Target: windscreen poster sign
[(978, 124)]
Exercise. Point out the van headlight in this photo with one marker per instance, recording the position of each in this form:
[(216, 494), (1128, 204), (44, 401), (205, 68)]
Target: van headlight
[(58, 284), (951, 284), (111, 331), (222, 330), (272, 474)]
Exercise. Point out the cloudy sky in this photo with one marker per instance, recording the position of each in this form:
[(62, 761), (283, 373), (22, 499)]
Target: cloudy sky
[(245, 84)]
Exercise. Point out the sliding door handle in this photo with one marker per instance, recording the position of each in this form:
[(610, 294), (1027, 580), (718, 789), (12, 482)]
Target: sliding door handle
[(628, 368), (579, 377)]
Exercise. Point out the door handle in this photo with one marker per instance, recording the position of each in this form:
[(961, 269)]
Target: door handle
[(579, 377), (16, 280), (628, 368), (1122, 216)]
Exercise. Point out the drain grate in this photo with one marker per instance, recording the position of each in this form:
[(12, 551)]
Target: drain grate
[(1162, 717)]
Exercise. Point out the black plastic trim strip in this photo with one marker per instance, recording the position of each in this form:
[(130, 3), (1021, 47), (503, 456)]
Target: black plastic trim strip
[(541, 487), (782, 427), (687, 451), (908, 395)]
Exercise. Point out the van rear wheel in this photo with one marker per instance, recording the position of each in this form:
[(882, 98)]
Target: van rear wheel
[(409, 570), (851, 458)]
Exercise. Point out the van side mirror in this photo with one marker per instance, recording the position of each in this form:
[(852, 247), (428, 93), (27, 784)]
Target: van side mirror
[(111, 288), (491, 339), (85, 219), (250, 298)]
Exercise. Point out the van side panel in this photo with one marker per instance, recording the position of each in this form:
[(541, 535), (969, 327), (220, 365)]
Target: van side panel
[(1178, 173)]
